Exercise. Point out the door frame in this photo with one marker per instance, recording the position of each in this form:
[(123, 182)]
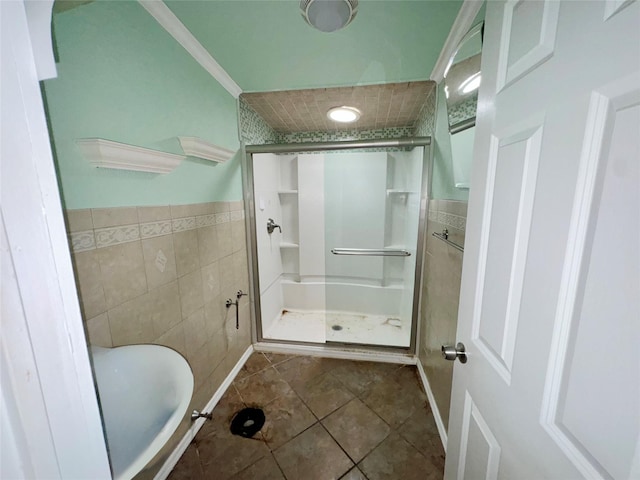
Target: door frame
[(45, 361)]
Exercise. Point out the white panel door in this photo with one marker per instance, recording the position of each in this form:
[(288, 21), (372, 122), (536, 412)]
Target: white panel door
[(550, 296)]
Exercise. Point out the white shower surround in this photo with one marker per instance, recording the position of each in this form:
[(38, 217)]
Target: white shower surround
[(293, 264)]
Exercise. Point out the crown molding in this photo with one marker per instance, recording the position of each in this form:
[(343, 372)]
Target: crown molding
[(196, 147), (108, 154), (167, 19), (460, 27)]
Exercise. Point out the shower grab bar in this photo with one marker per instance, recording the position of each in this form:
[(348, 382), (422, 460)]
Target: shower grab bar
[(444, 236), (373, 252)]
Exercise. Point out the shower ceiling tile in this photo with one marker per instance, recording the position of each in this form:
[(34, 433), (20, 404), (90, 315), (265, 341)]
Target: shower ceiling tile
[(383, 106)]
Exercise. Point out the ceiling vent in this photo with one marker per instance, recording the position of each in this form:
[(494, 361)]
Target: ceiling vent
[(329, 15)]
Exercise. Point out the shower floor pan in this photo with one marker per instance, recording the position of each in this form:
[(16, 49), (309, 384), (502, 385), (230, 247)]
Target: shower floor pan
[(343, 327)]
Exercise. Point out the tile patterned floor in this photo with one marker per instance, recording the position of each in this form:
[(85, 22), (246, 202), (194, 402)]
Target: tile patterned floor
[(325, 419)]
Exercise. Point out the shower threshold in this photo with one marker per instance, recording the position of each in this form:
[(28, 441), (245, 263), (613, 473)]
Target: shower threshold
[(343, 327)]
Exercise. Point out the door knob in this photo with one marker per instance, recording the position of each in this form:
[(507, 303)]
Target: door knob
[(449, 352)]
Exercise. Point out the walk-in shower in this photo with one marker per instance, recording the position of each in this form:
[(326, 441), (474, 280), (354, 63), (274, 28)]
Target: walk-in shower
[(337, 240)]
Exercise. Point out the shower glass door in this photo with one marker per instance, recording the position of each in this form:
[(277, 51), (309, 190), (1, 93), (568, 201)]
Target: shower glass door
[(371, 219)]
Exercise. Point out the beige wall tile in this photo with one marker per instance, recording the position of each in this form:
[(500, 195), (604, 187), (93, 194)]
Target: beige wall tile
[(89, 283), (210, 282), (454, 207), (99, 332), (174, 339), (214, 314), (225, 243), (194, 332), (191, 298), (111, 217), (202, 208), (165, 308), (123, 273), (240, 271), (78, 220), (199, 362), (179, 211), (217, 349), (208, 244), (238, 236), (236, 205), (159, 260), (131, 322), (185, 246), (228, 288), (221, 207), (153, 214)]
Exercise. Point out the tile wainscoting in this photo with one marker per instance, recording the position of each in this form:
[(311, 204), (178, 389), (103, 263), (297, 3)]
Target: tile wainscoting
[(161, 275), (442, 272)]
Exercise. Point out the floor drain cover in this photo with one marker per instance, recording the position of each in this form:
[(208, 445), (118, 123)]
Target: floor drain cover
[(247, 422), (336, 327)]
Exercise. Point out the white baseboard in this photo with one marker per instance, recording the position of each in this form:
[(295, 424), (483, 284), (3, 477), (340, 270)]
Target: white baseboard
[(346, 354), (172, 460), (434, 406)]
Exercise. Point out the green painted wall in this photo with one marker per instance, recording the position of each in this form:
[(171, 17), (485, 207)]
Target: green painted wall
[(266, 45), (442, 184), (122, 77)]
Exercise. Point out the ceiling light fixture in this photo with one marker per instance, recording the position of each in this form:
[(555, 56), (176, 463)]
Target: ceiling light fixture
[(329, 15), (344, 114), (471, 83)]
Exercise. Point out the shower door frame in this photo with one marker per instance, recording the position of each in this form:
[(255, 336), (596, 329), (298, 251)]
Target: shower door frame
[(252, 244)]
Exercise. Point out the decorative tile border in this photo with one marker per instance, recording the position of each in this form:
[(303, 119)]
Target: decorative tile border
[(448, 219), (155, 229), (107, 237), (463, 111), (253, 129), (82, 241), (425, 125), (222, 217), (183, 224), (205, 220)]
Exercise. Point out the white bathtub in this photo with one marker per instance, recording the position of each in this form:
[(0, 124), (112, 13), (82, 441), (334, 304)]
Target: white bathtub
[(144, 392)]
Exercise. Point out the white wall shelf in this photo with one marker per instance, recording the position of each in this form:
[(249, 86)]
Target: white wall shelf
[(196, 147), (287, 192), (289, 245), (109, 154)]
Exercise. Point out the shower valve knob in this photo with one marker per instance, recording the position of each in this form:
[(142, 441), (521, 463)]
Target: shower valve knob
[(449, 352), (271, 226)]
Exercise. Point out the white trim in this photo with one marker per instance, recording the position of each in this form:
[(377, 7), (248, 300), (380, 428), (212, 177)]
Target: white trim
[(442, 430), (325, 352), (39, 18), (108, 154), (196, 147), (53, 330), (463, 22), (174, 457), (166, 18)]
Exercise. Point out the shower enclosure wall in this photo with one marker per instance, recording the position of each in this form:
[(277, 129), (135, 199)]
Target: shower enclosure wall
[(340, 263)]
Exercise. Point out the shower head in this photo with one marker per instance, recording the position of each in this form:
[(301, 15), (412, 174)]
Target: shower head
[(329, 15)]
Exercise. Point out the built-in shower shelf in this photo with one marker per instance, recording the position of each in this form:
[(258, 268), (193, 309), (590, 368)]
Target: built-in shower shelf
[(287, 192), (398, 192), (289, 245)]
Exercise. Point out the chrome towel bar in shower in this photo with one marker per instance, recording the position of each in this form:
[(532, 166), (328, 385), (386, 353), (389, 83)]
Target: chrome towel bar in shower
[(372, 252), (444, 236)]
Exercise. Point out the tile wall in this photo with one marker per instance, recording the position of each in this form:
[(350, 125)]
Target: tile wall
[(161, 275), (441, 276)]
